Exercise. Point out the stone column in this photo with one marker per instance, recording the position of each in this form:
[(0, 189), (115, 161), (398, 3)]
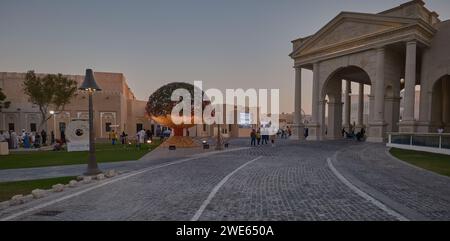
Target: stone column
[(334, 127), (314, 127), (298, 129), (446, 103), (361, 106), (410, 82), (377, 127), (379, 87), (315, 94), (347, 105)]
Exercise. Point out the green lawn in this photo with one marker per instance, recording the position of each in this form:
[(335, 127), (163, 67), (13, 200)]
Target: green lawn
[(9, 189), (434, 162), (104, 153)]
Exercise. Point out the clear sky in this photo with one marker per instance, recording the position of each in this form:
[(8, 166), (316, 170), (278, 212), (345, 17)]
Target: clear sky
[(225, 43)]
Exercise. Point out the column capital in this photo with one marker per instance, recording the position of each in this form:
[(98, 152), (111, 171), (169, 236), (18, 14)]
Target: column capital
[(411, 42)]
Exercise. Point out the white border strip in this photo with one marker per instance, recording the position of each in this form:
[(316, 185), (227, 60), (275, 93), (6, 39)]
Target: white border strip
[(442, 151), (365, 195), (32, 209), (216, 189)]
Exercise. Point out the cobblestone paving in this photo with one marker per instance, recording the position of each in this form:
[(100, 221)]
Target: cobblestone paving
[(290, 182), (424, 195)]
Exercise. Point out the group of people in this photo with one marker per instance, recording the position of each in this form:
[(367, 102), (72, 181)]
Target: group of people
[(359, 136), (284, 133), (261, 137), (26, 139)]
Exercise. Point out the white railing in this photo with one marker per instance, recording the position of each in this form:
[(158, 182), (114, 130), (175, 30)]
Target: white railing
[(429, 142)]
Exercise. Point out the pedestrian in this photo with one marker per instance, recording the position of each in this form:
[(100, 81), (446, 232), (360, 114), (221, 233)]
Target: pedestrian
[(148, 135), (23, 135), (63, 137), (140, 137), (14, 140), (306, 132), (44, 137), (52, 138), (265, 136), (37, 141), (253, 138), (26, 140), (32, 138), (113, 136), (123, 137), (258, 136), (8, 138), (151, 135)]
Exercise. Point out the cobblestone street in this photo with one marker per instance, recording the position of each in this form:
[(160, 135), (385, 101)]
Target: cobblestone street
[(294, 180)]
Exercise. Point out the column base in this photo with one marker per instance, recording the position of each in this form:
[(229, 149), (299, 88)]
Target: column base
[(407, 126), (314, 132), (297, 132), (377, 132), (423, 127)]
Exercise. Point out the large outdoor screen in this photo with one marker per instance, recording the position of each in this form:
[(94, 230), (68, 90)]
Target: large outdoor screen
[(245, 120)]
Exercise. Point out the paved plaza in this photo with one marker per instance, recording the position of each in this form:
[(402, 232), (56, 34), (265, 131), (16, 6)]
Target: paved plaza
[(294, 180)]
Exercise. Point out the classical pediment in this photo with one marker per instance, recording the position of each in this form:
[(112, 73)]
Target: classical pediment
[(347, 27)]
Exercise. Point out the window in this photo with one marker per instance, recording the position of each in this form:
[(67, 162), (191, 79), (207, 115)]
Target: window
[(139, 127), (11, 127), (108, 126), (33, 127), (62, 126)]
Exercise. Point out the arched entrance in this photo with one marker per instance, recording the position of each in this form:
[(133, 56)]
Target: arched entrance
[(337, 114), (440, 105)]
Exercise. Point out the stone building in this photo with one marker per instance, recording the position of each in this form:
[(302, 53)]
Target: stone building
[(389, 51), (235, 129), (115, 107)]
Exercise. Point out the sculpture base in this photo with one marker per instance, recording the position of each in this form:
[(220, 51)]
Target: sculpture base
[(180, 142)]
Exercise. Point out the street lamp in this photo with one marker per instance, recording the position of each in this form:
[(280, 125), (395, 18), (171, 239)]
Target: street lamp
[(91, 86), (219, 145), (53, 113)]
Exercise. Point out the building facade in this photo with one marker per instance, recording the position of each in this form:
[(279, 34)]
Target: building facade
[(390, 51), (115, 107)]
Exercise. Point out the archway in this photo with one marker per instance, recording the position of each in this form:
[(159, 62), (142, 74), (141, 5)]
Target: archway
[(440, 105), (332, 95)]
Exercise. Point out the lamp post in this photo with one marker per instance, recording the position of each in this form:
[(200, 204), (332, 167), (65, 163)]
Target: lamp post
[(53, 113), (91, 86), (219, 145)]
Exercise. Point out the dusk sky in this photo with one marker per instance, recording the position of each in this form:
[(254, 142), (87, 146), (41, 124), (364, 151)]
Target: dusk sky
[(227, 44)]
